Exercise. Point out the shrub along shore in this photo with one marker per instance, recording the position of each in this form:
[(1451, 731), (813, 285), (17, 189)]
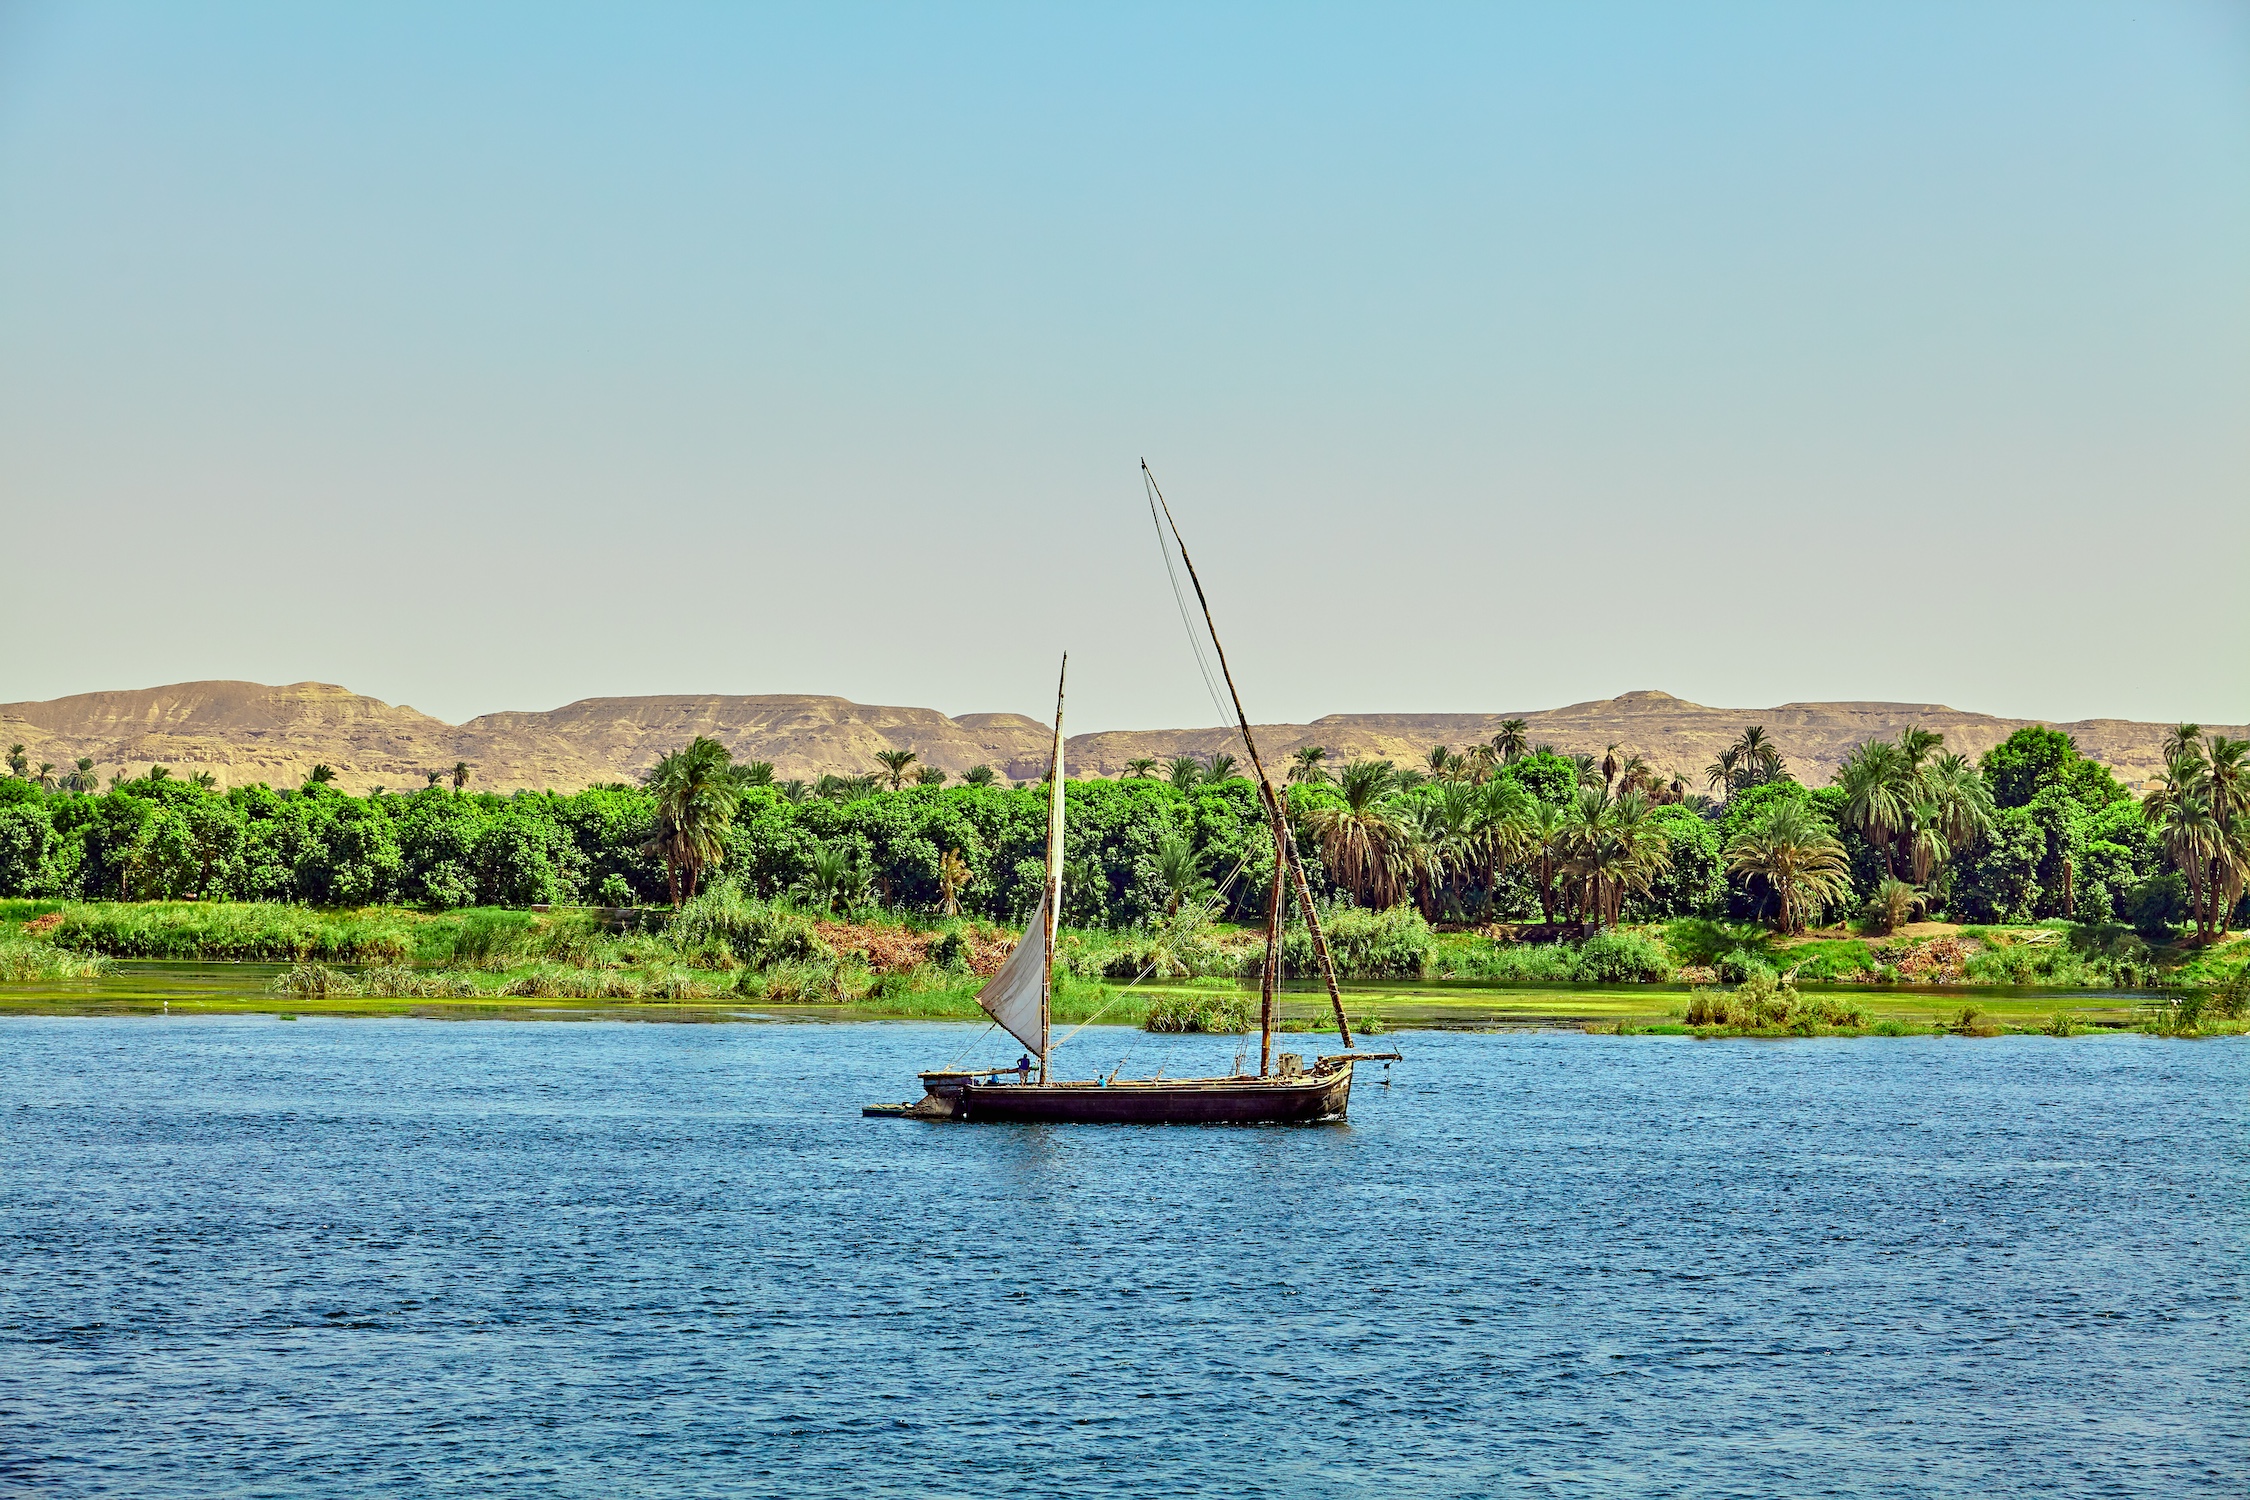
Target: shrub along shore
[(1186, 974)]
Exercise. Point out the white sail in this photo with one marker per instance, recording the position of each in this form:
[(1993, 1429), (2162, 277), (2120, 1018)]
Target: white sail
[(1013, 996)]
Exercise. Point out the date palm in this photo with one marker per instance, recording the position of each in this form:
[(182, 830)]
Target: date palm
[(1180, 873), (461, 774), (978, 776), (82, 779), (1801, 862), (1880, 788), (1140, 768), (1759, 751), (794, 791), (45, 775), (930, 776), (1509, 743), (433, 778), (753, 773), (1918, 745), (695, 805), (1719, 775), (1222, 766), (1357, 834), (1609, 765), (1309, 766), (19, 764), (894, 763), (1546, 848), (1959, 799), (1185, 773), (954, 876), (831, 881)]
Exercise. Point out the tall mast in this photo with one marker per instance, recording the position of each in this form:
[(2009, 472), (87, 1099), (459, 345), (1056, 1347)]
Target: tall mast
[(1284, 842), (1054, 876)]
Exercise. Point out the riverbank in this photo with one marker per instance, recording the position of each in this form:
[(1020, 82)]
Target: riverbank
[(146, 988), (726, 958)]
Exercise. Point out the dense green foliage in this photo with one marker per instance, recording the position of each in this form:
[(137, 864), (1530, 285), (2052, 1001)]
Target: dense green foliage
[(1502, 832)]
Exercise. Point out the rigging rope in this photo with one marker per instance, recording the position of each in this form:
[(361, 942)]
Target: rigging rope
[(1179, 597)]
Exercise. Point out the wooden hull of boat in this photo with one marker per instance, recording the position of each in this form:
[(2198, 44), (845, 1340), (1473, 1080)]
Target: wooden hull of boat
[(1305, 1099)]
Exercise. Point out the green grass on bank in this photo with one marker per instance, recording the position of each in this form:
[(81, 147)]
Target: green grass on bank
[(727, 955)]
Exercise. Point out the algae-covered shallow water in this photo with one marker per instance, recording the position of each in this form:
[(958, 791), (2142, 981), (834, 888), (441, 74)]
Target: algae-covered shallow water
[(244, 1256)]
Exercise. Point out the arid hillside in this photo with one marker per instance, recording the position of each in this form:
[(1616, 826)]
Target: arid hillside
[(242, 732)]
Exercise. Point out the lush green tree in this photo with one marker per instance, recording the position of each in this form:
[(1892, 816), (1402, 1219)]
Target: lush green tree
[(1792, 849), (695, 805), (1358, 834), (2031, 758), (1185, 772), (1309, 763), (1694, 882)]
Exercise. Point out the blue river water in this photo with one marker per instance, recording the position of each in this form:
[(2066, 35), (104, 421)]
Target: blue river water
[(255, 1257)]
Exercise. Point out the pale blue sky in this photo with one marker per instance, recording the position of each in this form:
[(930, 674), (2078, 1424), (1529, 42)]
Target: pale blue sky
[(1495, 357)]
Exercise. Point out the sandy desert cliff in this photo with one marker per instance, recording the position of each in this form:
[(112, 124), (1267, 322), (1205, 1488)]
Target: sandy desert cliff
[(245, 732)]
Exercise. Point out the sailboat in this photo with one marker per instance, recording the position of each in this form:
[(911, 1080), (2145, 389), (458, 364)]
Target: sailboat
[(1020, 997)]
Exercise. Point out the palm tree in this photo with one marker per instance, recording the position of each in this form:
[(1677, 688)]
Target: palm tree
[(1185, 772), (930, 776), (45, 775), (321, 775), (795, 792), (695, 805), (978, 776), (207, 781), (1609, 764), (831, 881), (1546, 842), (19, 764), (1880, 788), (953, 877), (1509, 742), (1309, 765), (164, 773), (754, 773), (2198, 814), (1439, 761), (82, 779), (1357, 834), (1918, 745), (461, 774), (2180, 740), (1719, 775), (1801, 862), (1140, 768), (1959, 801), (895, 762), (433, 777), (1588, 771), (1179, 871), (1760, 752), (1222, 766)]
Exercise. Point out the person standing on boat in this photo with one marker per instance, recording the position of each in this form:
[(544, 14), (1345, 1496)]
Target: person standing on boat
[(1023, 1068)]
